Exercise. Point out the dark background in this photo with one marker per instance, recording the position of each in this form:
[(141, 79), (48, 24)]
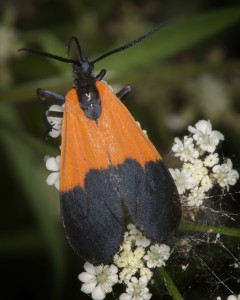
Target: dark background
[(188, 71)]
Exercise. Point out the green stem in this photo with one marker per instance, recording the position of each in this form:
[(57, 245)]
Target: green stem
[(174, 292), (205, 228)]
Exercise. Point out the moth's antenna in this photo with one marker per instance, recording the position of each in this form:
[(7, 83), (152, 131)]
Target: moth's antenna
[(62, 59), (132, 43), (74, 39)]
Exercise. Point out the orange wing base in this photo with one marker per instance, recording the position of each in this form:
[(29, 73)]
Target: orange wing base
[(87, 145)]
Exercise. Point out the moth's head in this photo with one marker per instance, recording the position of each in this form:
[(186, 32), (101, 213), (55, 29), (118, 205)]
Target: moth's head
[(83, 66)]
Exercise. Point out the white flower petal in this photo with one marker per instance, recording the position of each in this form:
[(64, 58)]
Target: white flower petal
[(113, 269), (52, 164), (147, 296), (196, 197), (52, 178), (156, 257), (204, 136), (55, 122), (57, 184), (211, 160), (185, 149), (56, 107), (125, 296), (98, 293), (225, 175), (88, 287), (90, 268), (54, 133), (85, 277), (232, 297), (184, 179), (204, 126)]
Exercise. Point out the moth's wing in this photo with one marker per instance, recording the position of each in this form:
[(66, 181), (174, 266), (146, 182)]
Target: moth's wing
[(94, 228), (144, 183), (91, 214), (105, 167), (155, 209)]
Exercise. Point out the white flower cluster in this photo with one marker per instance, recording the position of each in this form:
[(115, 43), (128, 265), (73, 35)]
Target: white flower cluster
[(55, 122), (131, 266), (201, 168), (53, 163)]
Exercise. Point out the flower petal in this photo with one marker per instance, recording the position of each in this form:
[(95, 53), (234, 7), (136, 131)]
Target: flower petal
[(98, 293), (125, 296), (86, 277), (52, 164), (89, 287), (90, 268), (52, 178)]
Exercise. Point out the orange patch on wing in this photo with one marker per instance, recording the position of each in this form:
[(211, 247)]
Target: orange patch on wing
[(87, 146)]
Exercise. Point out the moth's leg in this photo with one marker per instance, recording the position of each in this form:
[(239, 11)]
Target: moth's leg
[(101, 74), (123, 93), (47, 97), (53, 113)]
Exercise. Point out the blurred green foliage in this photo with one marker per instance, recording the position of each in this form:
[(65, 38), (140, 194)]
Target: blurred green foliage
[(187, 71)]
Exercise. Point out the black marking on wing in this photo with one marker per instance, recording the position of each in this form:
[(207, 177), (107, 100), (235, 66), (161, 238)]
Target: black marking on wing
[(93, 218)]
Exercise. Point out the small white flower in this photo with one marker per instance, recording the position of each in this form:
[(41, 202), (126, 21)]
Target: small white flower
[(211, 160), (144, 131), (184, 267), (127, 243), (55, 122), (142, 241), (98, 281), (183, 179), (196, 197), (136, 290), (206, 183), (225, 175), (157, 255), (146, 272), (132, 229), (126, 274), (185, 149), (135, 235), (53, 164), (130, 259), (198, 170), (205, 137), (233, 297)]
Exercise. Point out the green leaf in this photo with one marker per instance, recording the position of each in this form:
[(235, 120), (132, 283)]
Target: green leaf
[(30, 175), (59, 83), (178, 35), (49, 43), (21, 243)]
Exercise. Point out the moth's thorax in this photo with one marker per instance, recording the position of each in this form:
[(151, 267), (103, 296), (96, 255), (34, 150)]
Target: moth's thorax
[(87, 93)]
